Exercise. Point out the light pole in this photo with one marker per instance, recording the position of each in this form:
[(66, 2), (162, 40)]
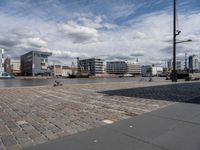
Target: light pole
[(175, 33)]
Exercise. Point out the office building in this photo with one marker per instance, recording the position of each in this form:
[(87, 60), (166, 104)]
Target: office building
[(15, 67), (193, 63), (116, 67), (134, 69), (179, 65), (1, 60), (35, 63), (149, 70), (92, 66)]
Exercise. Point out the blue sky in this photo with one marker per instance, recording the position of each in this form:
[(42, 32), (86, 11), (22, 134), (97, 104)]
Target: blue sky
[(110, 29)]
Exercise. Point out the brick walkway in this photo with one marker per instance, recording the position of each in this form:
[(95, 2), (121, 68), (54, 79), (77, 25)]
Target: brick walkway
[(31, 116)]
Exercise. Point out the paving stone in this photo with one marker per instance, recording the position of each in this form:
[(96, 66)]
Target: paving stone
[(20, 134), (8, 140), (34, 134), (11, 124), (1, 145), (40, 139), (50, 135), (29, 129), (4, 131), (25, 142), (15, 147), (70, 109)]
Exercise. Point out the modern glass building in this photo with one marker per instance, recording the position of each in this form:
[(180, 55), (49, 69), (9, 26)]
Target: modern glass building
[(92, 66), (35, 63), (116, 67)]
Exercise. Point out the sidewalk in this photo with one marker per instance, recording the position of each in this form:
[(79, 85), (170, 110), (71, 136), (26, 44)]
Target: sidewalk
[(176, 127)]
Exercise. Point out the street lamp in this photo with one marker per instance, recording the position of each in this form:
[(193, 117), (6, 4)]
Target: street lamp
[(175, 34)]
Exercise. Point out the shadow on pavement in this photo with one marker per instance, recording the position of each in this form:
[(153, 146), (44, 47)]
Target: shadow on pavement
[(180, 92)]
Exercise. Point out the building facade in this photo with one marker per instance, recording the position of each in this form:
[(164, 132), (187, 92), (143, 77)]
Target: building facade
[(15, 67), (116, 67), (179, 65), (193, 63), (134, 69), (56, 70), (35, 63), (123, 67), (2, 61), (156, 71), (92, 66), (149, 70), (7, 65), (66, 70)]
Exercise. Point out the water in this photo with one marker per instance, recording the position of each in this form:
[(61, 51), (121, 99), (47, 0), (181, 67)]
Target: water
[(41, 82)]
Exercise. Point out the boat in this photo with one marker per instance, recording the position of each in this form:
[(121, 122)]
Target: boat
[(5, 75), (78, 76), (71, 75)]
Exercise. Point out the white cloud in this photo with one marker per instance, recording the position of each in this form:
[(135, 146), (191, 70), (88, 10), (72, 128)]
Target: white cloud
[(147, 38), (78, 33), (68, 54), (36, 42), (85, 29)]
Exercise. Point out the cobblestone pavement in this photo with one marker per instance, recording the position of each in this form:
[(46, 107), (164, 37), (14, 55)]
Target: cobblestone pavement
[(31, 116)]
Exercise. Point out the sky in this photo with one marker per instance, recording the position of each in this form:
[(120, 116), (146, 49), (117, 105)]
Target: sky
[(108, 29)]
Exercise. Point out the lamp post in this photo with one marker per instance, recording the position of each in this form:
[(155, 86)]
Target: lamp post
[(175, 33)]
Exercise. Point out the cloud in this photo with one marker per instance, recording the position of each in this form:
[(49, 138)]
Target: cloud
[(8, 42), (138, 53), (16, 43), (68, 54), (119, 57), (121, 31), (139, 35), (36, 42), (79, 33), (85, 29)]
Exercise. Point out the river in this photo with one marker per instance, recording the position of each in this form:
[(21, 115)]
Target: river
[(41, 82)]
